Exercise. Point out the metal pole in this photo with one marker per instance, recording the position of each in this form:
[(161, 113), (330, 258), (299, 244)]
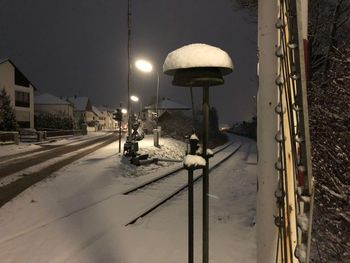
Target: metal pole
[(193, 113), (205, 109), (129, 68), (157, 98), (190, 216), (120, 136)]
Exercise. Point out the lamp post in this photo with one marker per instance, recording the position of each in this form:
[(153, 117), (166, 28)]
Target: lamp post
[(199, 65), (145, 66)]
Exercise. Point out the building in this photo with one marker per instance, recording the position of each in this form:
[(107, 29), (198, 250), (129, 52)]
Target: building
[(163, 106), (107, 122), (83, 112), (47, 103), (98, 118), (20, 91)]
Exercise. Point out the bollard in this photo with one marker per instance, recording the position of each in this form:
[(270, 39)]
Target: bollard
[(156, 137), (16, 137)]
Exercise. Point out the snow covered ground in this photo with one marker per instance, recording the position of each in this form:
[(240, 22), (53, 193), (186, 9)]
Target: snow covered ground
[(79, 213)]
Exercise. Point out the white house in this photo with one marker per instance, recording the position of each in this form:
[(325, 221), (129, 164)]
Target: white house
[(20, 90), (47, 103), (82, 110), (107, 114), (99, 118)]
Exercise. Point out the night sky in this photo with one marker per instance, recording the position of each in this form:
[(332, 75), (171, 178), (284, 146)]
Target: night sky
[(68, 47)]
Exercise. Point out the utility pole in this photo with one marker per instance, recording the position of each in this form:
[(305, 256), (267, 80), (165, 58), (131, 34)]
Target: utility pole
[(129, 68)]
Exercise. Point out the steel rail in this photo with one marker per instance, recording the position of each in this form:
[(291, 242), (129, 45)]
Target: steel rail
[(163, 200), (138, 187)]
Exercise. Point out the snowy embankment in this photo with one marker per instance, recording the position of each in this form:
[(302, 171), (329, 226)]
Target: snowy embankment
[(78, 215)]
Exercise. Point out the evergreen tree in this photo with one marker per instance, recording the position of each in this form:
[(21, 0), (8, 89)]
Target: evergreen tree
[(7, 113)]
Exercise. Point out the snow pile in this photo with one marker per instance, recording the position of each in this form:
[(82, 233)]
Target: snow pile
[(303, 222), (197, 55), (7, 150), (169, 149), (194, 161), (210, 152), (194, 137)]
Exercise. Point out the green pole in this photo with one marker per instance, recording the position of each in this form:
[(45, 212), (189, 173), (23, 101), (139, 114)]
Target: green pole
[(205, 109)]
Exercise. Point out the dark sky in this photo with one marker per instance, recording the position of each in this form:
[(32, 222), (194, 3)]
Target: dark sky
[(68, 47)]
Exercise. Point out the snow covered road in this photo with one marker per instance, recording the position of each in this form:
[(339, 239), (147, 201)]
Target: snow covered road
[(79, 214)]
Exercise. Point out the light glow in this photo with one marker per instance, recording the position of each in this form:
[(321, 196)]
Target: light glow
[(144, 65), (134, 98), (124, 111)]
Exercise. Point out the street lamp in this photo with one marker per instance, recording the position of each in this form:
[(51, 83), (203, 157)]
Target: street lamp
[(145, 66), (199, 65), (124, 111), (134, 98)]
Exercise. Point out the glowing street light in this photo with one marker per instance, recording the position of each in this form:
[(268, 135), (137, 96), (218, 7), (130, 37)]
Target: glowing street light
[(145, 66), (124, 111), (134, 98)]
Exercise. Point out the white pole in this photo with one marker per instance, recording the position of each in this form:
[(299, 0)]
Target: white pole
[(157, 98), (267, 128)]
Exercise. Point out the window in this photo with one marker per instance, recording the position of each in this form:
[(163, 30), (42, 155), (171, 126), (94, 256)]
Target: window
[(24, 124), (22, 99), (20, 79)]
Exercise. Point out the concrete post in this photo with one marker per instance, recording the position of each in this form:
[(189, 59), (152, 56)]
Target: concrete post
[(267, 128)]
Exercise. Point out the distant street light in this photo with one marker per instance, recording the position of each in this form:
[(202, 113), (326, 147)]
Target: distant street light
[(147, 67), (134, 98), (124, 111)]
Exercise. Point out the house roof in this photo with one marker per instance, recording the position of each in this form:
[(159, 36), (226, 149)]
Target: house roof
[(104, 108), (49, 99), (3, 60), (80, 103), (167, 104), (96, 111)]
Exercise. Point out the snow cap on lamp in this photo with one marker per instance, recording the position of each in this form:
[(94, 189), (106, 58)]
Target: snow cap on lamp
[(198, 65)]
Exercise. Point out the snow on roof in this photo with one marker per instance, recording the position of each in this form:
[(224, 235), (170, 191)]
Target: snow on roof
[(167, 104), (96, 111), (80, 103), (105, 108), (47, 98), (197, 55)]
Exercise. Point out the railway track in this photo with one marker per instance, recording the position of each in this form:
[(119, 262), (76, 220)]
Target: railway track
[(230, 149), (167, 186)]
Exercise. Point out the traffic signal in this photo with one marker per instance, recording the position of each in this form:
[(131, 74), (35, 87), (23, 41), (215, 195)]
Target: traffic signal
[(118, 115)]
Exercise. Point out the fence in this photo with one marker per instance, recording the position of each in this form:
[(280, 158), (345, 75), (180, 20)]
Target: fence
[(9, 137)]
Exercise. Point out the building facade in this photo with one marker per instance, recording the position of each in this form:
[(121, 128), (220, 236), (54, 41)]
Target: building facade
[(20, 91)]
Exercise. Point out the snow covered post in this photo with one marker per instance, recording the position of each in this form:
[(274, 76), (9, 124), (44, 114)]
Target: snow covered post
[(200, 65), (191, 163)]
